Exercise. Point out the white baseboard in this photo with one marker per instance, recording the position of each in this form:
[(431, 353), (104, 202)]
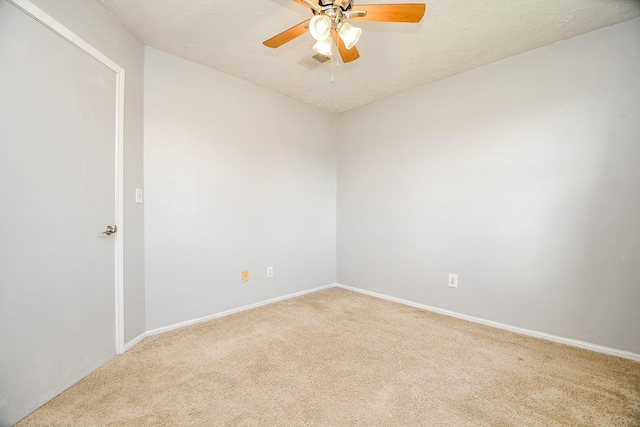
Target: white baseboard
[(536, 334), (229, 312), (562, 340), (135, 341)]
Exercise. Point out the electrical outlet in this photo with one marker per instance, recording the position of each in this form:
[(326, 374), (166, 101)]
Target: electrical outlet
[(453, 280), (269, 271), (245, 276)]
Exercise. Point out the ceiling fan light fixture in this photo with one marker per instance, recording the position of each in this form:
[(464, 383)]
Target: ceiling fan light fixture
[(320, 27), (323, 46), (349, 34)]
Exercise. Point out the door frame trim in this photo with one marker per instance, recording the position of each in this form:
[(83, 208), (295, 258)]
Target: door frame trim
[(53, 25)]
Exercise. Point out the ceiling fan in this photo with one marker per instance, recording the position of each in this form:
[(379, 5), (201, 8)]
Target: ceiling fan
[(329, 24)]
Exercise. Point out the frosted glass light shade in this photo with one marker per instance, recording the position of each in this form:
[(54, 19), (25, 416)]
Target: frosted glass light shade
[(320, 27), (349, 34), (323, 46)]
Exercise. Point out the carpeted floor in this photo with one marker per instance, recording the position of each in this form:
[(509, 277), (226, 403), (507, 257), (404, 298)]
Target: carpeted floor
[(338, 358)]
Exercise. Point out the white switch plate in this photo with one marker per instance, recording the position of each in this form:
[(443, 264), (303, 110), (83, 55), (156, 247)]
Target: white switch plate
[(138, 195), (453, 280), (269, 271)]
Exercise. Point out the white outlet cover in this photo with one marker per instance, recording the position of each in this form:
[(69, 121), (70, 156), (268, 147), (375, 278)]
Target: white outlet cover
[(453, 280), (269, 271)]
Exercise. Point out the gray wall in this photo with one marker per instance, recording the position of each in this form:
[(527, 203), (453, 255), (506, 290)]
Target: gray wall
[(96, 25), (522, 177), (238, 178)]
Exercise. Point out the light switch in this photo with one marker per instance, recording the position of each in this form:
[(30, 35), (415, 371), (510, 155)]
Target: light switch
[(138, 195)]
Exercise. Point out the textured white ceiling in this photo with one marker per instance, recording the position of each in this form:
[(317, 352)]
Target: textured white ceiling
[(454, 36)]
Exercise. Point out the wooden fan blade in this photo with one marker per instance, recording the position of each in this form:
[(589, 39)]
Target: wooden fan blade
[(347, 55), (408, 12), (288, 35), (337, 3), (302, 3)]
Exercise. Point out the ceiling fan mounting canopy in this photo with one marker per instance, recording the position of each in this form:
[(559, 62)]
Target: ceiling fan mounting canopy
[(331, 7), (329, 23), (345, 4), (335, 9)]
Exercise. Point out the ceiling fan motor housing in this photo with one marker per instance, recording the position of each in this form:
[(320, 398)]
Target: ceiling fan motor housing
[(346, 5)]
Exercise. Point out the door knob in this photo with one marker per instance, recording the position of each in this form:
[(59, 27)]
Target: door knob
[(110, 230)]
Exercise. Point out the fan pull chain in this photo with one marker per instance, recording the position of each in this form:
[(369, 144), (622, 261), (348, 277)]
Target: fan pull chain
[(333, 58)]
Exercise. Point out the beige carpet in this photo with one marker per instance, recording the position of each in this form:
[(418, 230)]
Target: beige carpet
[(337, 358)]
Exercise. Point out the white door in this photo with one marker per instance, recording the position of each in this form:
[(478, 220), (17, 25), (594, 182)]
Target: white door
[(57, 194)]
